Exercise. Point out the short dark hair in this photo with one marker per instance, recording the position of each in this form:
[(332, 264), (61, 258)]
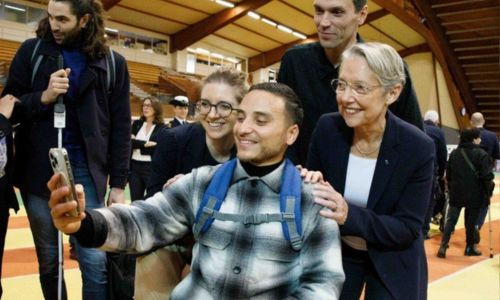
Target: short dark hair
[(94, 42), (358, 4), (470, 134), (293, 105)]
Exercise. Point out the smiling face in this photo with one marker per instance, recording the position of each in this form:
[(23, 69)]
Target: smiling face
[(64, 25), (337, 22), (217, 127), (363, 111), (263, 130)]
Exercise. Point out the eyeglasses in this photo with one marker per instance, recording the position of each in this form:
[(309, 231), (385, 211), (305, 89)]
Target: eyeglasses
[(358, 88), (146, 105), (222, 108)]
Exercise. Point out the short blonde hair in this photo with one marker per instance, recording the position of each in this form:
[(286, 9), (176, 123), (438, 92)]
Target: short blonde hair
[(383, 60)]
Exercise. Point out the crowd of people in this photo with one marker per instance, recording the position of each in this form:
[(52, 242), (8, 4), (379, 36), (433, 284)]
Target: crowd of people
[(321, 186)]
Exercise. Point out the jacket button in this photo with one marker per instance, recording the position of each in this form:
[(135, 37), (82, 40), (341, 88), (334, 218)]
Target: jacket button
[(236, 270)]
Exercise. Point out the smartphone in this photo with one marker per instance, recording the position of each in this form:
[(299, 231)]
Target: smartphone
[(59, 161)]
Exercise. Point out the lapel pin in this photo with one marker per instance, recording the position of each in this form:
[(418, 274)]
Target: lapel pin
[(386, 162)]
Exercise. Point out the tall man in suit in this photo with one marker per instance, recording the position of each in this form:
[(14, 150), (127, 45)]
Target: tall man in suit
[(310, 68)]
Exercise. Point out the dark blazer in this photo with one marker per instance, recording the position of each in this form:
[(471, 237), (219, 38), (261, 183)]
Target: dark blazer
[(137, 144), (174, 123), (104, 120), (490, 142), (7, 195), (179, 151), (466, 188), (399, 195)]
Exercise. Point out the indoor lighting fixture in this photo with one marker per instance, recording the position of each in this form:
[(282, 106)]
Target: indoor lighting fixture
[(191, 50), (269, 22), (253, 15), (217, 55), (202, 51), (111, 29), (299, 35), (224, 3), (15, 8), (284, 28), (233, 60)]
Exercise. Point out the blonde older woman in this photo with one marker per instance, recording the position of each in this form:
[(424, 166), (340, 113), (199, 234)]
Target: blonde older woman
[(378, 170)]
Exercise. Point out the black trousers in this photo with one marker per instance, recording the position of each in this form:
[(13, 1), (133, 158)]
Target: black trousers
[(4, 221), (139, 176), (471, 216)]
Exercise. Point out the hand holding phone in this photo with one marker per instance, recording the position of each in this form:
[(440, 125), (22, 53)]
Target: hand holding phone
[(59, 161)]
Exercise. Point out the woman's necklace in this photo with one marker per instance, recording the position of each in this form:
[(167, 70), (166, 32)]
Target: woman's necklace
[(367, 153)]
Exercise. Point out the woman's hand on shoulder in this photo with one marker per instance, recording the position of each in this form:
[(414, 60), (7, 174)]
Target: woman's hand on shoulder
[(336, 206), (310, 176)]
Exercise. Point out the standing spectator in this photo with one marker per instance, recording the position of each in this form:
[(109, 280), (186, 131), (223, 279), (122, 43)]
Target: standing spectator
[(489, 142), (7, 196), (145, 132), (181, 104), (431, 123), (310, 68), (468, 174), (209, 141), (378, 170), (97, 133)]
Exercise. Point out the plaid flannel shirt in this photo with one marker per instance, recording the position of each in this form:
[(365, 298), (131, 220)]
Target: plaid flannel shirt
[(231, 260)]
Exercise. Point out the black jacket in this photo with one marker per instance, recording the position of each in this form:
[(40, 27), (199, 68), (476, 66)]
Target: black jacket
[(7, 195), (138, 144), (466, 188), (104, 120)]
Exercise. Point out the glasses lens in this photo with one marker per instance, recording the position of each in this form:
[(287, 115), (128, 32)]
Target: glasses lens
[(224, 108)]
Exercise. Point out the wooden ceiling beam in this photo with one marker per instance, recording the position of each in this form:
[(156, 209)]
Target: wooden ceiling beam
[(414, 50), (211, 24), (108, 4), (373, 16)]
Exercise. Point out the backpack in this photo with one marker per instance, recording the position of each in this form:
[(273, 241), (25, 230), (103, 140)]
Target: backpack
[(36, 60), (290, 196)]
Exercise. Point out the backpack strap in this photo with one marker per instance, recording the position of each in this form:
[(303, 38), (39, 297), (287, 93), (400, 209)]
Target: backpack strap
[(111, 71), (290, 201), (35, 64), (213, 197)]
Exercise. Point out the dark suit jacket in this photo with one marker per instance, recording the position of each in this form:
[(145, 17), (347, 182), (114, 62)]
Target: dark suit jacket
[(490, 142), (137, 144), (437, 135), (104, 120), (174, 123), (179, 151), (392, 221), (7, 195)]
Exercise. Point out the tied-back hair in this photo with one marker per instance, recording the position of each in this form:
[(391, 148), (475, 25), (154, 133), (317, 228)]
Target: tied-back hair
[(293, 105), (94, 42), (158, 109), (383, 60), (232, 78)]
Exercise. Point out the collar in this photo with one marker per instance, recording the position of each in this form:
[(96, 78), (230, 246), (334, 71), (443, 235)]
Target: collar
[(272, 180), (52, 49)]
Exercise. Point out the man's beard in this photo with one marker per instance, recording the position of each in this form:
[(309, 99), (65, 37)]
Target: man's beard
[(73, 38)]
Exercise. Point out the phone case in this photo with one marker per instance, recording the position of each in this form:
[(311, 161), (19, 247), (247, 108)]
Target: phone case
[(59, 161)]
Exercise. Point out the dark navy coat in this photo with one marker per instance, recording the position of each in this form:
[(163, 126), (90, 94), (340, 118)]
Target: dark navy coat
[(391, 223), (104, 120), (137, 144)]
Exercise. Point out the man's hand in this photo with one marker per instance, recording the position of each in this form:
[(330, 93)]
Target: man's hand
[(7, 105), (116, 195), (337, 208), (58, 84), (59, 208)]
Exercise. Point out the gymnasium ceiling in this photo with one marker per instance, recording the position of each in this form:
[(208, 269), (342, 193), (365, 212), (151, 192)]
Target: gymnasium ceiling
[(462, 34)]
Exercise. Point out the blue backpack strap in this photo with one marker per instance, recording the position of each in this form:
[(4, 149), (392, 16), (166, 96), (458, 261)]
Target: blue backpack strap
[(111, 71), (290, 200), (213, 197)]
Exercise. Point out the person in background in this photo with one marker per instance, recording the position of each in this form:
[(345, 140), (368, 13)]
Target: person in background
[(379, 171), (490, 144), (181, 105), (431, 128), (7, 196), (245, 252), (310, 68), (96, 136), (145, 132), (208, 141), (468, 175)]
